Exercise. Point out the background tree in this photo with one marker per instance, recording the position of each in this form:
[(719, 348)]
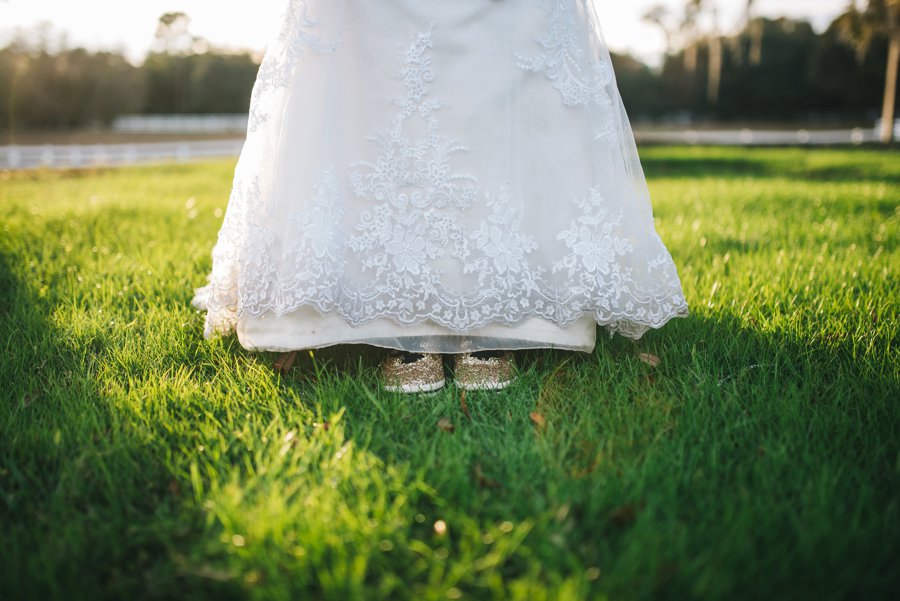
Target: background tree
[(861, 28), (699, 36), (168, 69), (716, 54), (173, 34), (802, 76), (187, 75), (660, 16), (50, 86), (781, 86), (754, 29), (210, 82)]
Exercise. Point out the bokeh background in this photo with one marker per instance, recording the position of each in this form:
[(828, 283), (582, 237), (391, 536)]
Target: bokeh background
[(785, 65)]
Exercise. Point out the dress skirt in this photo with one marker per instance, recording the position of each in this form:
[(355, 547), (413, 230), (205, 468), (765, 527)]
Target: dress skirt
[(438, 176)]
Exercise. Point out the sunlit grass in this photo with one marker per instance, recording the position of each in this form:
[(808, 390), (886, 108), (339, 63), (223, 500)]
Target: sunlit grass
[(759, 460)]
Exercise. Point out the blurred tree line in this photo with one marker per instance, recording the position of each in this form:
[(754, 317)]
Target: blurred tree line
[(44, 84), (769, 69), (772, 69), (764, 70)]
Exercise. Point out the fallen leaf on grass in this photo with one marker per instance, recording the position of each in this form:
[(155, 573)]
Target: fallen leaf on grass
[(284, 362), (563, 512), (446, 425), (463, 405), (538, 420), (625, 515), (650, 359), (483, 481), (586, 460), (666, 573), (587, 470)]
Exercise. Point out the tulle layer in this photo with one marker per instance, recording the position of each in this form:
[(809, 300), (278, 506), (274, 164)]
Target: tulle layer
[(440, 170)]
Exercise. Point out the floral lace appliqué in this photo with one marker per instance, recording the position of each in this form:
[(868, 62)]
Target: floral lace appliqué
[(315, 251), (580, 78), (415, 226), (296, 37), (413, 181), (592, 240)]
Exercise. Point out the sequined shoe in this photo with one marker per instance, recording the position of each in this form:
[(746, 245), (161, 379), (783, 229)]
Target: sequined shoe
[(412, 373), (484, 370)]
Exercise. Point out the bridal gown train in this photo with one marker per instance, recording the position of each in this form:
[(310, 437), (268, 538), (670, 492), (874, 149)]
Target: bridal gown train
[(438, 176)]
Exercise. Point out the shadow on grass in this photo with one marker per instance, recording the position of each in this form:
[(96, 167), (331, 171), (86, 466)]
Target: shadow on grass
[(735, 422), (86, 507), (755, 444), (795, 163)]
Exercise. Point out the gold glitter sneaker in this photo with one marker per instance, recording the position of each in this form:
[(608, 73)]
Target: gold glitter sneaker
[(484, 370), (412, 373)]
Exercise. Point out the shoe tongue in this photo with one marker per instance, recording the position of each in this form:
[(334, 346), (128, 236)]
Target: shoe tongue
[(411, 357)]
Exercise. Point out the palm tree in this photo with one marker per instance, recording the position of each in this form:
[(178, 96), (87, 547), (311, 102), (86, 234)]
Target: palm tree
[(689, 34), (690, 29), (716, 56), (754, 28), (694, 11), (860, 28)]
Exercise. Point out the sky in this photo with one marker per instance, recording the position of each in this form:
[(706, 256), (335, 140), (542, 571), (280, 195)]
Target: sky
[(129, 25)]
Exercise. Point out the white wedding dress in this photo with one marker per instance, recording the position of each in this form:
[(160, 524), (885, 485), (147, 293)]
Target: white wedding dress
[(438, 176)]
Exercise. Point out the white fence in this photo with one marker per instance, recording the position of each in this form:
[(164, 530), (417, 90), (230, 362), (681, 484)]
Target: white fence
[(751, 137), (97, 155), (181, 124)]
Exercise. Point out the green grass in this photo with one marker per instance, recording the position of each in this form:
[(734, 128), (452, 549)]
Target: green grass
[(760, 460)]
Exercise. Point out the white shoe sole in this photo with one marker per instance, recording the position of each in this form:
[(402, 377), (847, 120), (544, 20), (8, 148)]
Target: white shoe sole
[(493, 386), (416, 388)]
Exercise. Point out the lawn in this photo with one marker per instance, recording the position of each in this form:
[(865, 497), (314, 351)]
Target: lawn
[(760, 459)]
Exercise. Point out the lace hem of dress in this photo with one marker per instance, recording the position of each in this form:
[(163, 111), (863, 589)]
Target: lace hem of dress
[(634, 322)]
